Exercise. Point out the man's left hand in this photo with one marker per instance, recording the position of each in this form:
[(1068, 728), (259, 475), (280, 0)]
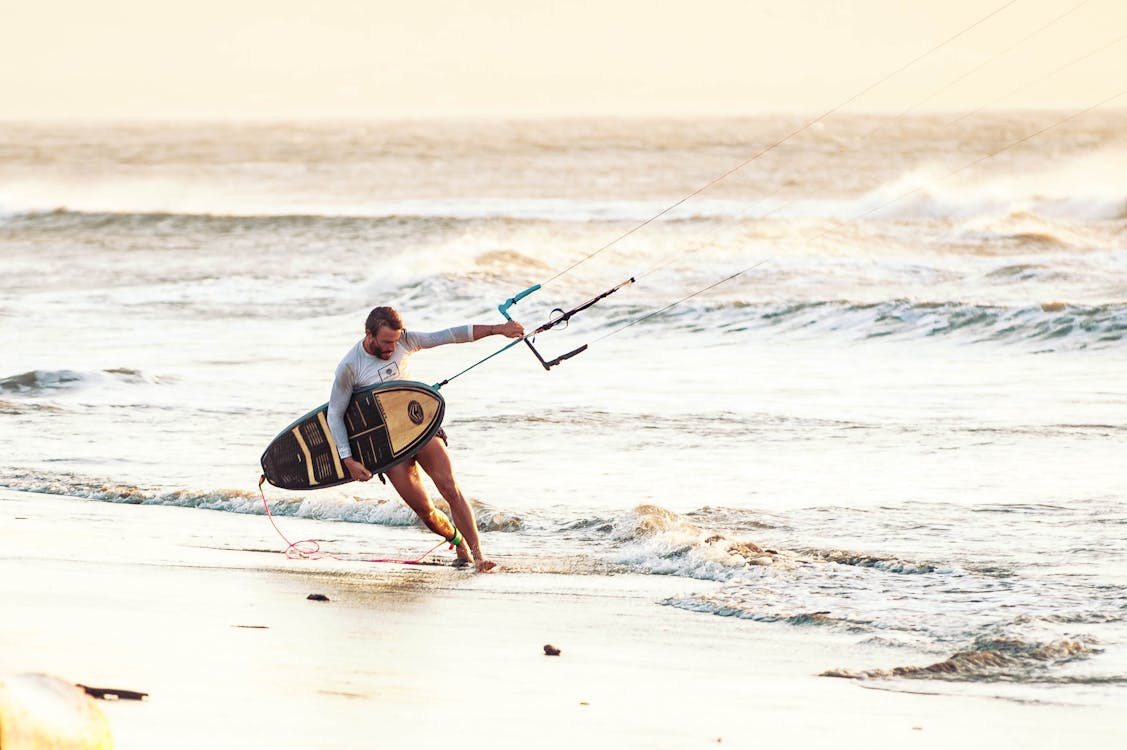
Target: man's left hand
[(512, 329)]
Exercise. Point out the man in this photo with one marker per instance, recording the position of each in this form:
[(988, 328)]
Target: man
[(381, 356)]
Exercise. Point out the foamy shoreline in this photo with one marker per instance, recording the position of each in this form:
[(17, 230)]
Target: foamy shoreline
[(184, 605)]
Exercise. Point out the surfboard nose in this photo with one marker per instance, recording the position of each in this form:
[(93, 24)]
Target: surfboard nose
[(40, 711)]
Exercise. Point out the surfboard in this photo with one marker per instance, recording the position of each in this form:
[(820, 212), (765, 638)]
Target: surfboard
[(387, 424)]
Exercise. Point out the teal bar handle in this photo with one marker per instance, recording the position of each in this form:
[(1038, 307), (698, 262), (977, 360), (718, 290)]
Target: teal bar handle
[(503, 308)]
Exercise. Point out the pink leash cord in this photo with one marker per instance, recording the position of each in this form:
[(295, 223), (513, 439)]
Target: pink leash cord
[(312, 549)]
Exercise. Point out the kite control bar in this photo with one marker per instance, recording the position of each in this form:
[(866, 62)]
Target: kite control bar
[(562, 318)]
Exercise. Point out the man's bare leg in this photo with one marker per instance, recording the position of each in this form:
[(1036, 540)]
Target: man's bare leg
[(406, 481), (436, 463)]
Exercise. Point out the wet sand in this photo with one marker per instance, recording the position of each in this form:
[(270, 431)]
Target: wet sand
[(199, 610)]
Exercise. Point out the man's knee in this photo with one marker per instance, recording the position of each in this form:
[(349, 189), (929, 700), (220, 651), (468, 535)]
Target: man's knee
[(446, 485), (403, 471)]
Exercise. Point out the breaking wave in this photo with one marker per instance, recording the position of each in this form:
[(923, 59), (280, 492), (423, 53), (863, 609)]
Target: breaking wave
[(988, 660), (1082, 189), (324, 507), (39, 382), (1049, 325), (657, 541), (887, 564)]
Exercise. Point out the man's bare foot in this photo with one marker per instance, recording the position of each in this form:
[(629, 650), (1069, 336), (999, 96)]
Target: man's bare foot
[(484, 566), (465, 559)]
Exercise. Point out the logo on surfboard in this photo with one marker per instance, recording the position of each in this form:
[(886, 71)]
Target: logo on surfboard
[(415, 412)]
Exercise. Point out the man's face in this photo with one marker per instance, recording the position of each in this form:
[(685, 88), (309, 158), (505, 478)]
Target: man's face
[(382, 344)]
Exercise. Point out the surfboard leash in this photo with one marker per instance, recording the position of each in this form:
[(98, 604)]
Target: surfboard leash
[(294, 550), (310, 549)]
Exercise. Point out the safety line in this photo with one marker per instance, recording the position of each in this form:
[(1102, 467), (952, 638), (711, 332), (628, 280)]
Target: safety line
[(699, 240), (780, 142), (992, 154), (1045, 77), (870, 211), (988, 61), (801, 129)]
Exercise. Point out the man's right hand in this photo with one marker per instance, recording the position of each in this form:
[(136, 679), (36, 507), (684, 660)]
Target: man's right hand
[(356, 470)]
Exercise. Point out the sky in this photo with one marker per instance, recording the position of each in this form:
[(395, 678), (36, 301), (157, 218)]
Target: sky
[(248, 59)]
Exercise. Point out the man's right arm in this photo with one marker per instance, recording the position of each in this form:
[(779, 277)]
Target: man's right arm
[(339, 399)]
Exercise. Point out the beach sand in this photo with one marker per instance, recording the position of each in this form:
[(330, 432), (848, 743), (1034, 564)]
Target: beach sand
[(199, 610)]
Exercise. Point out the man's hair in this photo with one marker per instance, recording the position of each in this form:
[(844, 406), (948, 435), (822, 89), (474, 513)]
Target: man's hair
[(383, 316)]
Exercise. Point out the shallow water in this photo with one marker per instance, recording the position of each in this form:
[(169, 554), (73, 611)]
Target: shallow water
[(906, 421)]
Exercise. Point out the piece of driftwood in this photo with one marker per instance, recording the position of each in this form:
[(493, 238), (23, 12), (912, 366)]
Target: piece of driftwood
[(113, 694)]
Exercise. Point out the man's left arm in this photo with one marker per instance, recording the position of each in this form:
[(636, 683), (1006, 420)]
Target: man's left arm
[(510, 328), (413, 341)]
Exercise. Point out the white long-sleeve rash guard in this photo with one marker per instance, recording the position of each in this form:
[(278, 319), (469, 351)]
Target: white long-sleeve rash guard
[(359, 369)]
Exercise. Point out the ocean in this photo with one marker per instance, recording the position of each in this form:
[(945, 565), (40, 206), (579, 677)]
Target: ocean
[(903, 424)]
